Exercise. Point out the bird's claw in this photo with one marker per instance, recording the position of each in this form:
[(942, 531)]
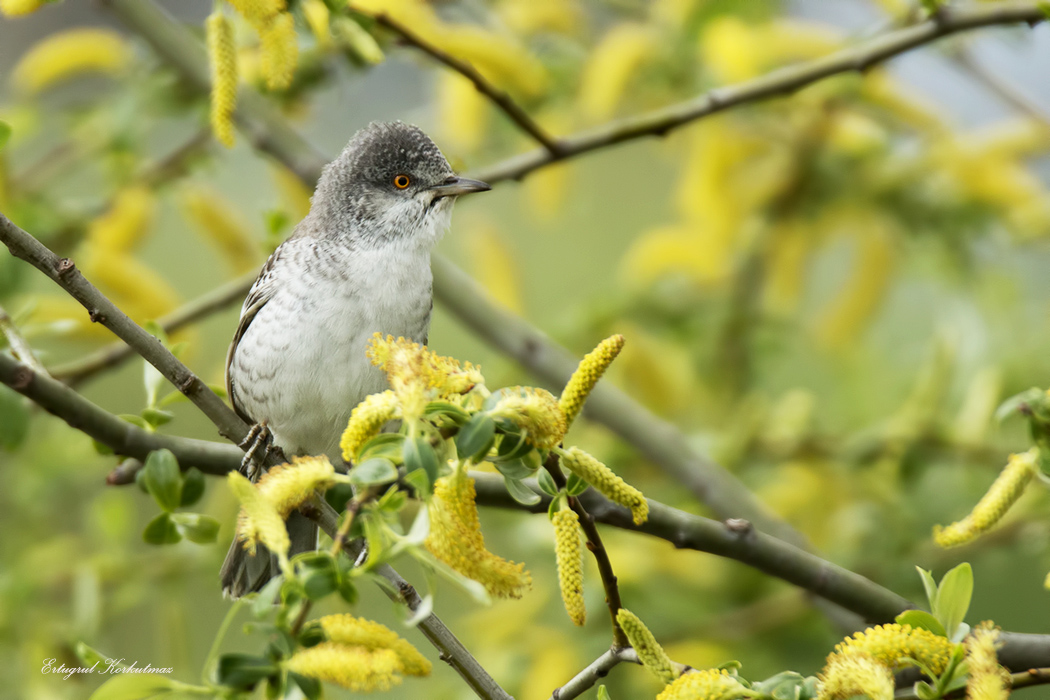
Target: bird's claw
[(259, 439)]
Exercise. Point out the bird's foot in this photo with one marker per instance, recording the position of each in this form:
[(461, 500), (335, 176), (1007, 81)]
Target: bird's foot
[(257, 446)]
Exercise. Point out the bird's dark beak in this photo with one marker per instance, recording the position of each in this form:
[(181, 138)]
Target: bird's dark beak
[(455, 186)]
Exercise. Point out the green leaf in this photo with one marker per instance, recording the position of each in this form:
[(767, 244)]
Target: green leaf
[(156, 417), (546, 482), (953, 597), (520, 492), (925, 691), (576, 485), (419, 455), (14, 419), (347, 590), (311, 687), (319, 582), (386, 445), (375, 470), (153, 381), (161, 530), (922, 620), (515, 469), (1010, 406), (419, 482), (444, 408), (264, 600), (475, 439), (162, 479), (930, 585), (192, 487), (133, 686), (603, 694), (243, 671), (5, 133), (195, 527), (338, 495)]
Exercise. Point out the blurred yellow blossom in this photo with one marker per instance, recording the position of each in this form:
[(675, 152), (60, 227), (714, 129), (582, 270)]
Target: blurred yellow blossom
[(17, 8), (218, 223), (259, 520), (495, 265), (317, 18), (849, 675), (357, 631), (355, 668), (709, 684), (464, 111), (222, 55), (123, 226), (533, 16), (280, 51), (988, 680), (70, 53), (611, 66)]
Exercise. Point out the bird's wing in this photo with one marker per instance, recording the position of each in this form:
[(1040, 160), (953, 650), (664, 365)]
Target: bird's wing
[(260, 293)]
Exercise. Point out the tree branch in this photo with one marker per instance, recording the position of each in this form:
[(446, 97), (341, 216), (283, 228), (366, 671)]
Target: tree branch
[(498, 97), (19, 347), (598, 669), (76, 371), (441, 637)]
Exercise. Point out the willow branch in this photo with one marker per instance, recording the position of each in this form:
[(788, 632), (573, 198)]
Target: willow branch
[(948, 20), (231, 292), (498, 97), (65, 274), (19, 347), (441, 637), (597, 670)]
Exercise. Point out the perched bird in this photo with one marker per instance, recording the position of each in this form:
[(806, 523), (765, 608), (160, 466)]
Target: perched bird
[(359, 263)]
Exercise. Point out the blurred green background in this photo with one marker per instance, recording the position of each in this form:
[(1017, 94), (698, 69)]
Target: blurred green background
[(829, 294)]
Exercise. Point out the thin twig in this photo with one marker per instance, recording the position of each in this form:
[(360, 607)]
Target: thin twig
[(19, 346), (1024, 679), (597, 670), (498, 97), (109, 357), (441, 637), (1003, 90), (601, 556)]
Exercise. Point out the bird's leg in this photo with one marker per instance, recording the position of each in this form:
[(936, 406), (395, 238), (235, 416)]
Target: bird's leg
[(258, 438)]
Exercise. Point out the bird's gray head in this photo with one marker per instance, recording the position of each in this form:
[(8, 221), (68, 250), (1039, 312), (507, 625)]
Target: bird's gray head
[(390, 184)]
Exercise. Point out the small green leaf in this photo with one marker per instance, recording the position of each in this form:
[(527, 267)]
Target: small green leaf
[(475, 439), (338, 495), (546, 482), (603, 694), (242, 671), (153, 381), (515, 469), (419, 455), (161, 530), (444, 408), (930, 585), (195, 527), (921, 619), (953, 597), (386, 445), (192, 487), (156, 417), (137, 421), (1010, 406), (347, 590), (311, 687), (318, 582), (162, 479), (419, 482), (576, 485), (520, 492), (925, 691), (134, 686), (265, 599), (374, 470), (512, 446)]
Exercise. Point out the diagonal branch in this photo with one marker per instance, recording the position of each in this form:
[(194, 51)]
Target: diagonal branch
[(498, 97), (598, 669)]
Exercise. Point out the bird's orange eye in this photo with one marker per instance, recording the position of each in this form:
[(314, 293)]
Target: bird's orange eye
[(401, 181)]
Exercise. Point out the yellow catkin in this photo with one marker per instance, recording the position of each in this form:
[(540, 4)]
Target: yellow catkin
[(417, 375), (366, 420), (222, 56), (606, 482), (587, 374), (259, 521), (612, 65), (354, 668), (891, 644), (650, 653), (286, 486), (353, 36), (1004, 492), (280, 51), (17, 8), (710, 684), (133, 285), (126, 222), (68, 54), (568, 550), (216, 220), (356, 631), (318, 19), (536, 412), (455, 538), (295, 194), (988, 680), (258, 12), (849, 675)]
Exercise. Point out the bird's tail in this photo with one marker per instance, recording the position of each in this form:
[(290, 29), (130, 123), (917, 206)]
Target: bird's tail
[(244, 573)]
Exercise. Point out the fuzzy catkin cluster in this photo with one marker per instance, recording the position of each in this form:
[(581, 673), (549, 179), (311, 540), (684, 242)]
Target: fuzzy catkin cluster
[(606, 482), (357, 631), (455, 538), (710, 684), (366, 420), (568, 550), (1004, 492), (222, 55), (352, 667), (536, 412), (590, 370), (855, 674), (650, 653), (288, 485), (988, 680), (259, 521)]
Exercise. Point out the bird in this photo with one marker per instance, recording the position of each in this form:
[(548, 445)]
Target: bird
[(356, 265)]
